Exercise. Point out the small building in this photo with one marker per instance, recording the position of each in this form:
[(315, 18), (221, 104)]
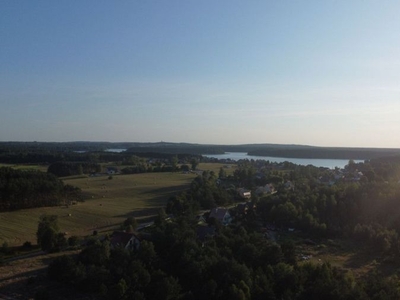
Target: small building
[(289, 185), (111, 170), (242, 209), (221, 214), (129, 241), (266, 189), (245, 194)]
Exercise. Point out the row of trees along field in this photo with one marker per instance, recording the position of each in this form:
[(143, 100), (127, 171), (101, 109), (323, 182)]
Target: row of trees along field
[(128, 165), (131, 164), (28, 188), (239, 262), (50, 156)]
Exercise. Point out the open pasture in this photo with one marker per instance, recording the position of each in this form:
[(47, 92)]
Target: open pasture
[(42, 168), (108, 203), (215, 167)]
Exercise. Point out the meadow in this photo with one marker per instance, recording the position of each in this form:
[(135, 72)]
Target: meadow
[(108, 203), (42, 168)]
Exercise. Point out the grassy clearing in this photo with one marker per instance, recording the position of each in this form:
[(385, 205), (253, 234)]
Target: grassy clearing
[(42, 168), (109, 203), (229, 168), (346, 254)]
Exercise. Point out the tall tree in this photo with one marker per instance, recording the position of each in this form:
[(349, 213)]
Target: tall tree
[(174, 163), (194, 162), (48, 236)]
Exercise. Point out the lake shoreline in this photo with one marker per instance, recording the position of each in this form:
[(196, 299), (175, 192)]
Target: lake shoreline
[(317, 162)]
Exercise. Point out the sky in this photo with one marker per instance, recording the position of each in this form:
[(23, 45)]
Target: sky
[(322, 73)]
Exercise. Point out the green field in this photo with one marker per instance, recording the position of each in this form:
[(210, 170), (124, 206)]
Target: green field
[(42, 168), (109, 203), (215, 167)]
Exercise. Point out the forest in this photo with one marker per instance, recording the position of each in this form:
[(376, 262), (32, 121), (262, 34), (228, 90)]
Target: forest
[(20, 189), (237, 261), (41, 152)]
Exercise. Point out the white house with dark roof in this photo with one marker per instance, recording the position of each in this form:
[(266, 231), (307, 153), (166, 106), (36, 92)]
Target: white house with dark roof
[(129, 241), (266, 189), (245, 194)]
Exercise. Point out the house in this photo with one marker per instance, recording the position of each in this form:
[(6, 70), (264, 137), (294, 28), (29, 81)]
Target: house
[(245, 194), (243, 209), (129, 241), (338, 175), (326, 180), (266, 189), (201, 219), (289, 185), (111, 170), (221, 214)]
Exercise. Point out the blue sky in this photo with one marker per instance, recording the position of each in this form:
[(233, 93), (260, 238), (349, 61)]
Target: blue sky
[(323, 73)]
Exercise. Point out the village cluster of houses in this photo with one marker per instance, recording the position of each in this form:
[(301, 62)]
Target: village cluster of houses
[(333, 176), (223, 215)]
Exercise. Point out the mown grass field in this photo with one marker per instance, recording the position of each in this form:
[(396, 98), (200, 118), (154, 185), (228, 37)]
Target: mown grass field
[(229, 168), (108, 204), (42, 168)]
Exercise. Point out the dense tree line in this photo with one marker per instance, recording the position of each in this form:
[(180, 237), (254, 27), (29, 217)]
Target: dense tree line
[(324, 152), (204, 193), (235, 264), (127, 164), (40, 152), (41, 156), (48, 153), (62, 169), (27, 189)]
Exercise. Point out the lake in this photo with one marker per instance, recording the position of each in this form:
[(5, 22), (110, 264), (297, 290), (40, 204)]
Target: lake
[(115, 150), (327, 163)]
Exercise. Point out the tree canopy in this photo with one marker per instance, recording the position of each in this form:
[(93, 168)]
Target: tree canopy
[(28, 188)]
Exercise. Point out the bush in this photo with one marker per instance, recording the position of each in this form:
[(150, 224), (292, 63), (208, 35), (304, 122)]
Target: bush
[(27, 246), (42, 294), (4, 248), (73, 241), (63, 269), (130, 221)]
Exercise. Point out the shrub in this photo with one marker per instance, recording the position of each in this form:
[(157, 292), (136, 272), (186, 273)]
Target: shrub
[(27, 246), (4, 248), (73, 241)]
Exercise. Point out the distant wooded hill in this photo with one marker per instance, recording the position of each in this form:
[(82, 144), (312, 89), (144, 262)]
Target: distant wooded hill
[(274, 150), (24, 152), (327, 153)]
